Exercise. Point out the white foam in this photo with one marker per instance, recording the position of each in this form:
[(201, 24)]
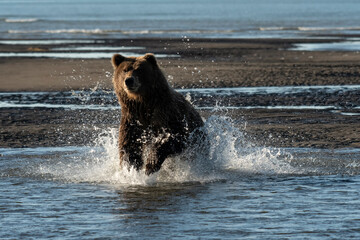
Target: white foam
[(328, 28), (60, 31), (20, 20), (175, 31), (98, 31), (308, 29), (273, 28)]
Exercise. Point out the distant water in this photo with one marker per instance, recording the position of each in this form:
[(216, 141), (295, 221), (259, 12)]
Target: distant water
[(24, 19)]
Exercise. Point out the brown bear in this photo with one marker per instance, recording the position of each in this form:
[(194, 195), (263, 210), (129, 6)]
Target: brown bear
[(156, 121)]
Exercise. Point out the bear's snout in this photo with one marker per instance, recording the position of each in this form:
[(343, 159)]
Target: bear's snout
[(132, 84), (129, 82)]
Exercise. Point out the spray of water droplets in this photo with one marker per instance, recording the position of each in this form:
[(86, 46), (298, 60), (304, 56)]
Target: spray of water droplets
[(226, 153)]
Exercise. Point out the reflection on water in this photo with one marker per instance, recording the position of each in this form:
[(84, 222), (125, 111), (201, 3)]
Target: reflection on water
[(48, 42), (96, 48), (333, 46), (79, 55)]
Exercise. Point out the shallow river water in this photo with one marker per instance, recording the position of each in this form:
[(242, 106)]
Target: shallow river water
[(260, 193), (240, 190)]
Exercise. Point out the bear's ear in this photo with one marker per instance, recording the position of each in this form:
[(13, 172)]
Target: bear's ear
[(150, 58), (116, 60)]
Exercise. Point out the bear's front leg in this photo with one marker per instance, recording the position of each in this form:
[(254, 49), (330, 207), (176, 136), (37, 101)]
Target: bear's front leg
[(159, 153), (132, 156), (130, 146)]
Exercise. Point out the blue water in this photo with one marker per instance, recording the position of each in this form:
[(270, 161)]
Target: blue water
[(242, 192), (166, 18)]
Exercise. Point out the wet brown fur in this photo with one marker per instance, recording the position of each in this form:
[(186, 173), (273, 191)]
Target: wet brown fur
[(156, 121)]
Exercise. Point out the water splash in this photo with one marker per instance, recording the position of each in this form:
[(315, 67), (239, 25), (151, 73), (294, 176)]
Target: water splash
[(233, 150), (227, 153)]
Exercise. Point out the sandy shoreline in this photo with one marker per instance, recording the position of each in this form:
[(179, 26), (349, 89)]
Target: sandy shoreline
[(203, 63)]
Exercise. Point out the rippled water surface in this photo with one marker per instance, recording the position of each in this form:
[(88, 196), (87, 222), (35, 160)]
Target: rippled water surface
[(29, 19), (240, 190), (80, 192)]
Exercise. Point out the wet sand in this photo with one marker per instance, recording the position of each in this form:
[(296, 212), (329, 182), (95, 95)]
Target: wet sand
[(202, 63), (277, 128)]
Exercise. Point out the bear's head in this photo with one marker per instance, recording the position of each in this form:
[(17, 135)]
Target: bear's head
[(137, 78)]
